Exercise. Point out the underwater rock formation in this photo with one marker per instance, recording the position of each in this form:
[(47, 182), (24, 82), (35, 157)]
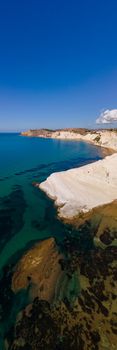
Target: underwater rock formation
[(40, 268), (89, 322)]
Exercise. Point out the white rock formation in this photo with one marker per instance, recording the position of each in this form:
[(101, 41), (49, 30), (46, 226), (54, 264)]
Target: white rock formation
[(83, 188)]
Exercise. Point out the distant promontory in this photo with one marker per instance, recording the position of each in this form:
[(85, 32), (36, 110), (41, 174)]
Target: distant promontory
[(104, 137)]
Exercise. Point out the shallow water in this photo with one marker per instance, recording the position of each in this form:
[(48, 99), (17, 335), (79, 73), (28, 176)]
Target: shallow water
[(26, 214)]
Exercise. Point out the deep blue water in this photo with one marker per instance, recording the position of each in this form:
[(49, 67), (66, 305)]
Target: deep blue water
[(26, 214)]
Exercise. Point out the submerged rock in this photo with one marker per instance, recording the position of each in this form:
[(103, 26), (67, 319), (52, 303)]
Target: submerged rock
[(82, 283), (39, 268), (89, 323)]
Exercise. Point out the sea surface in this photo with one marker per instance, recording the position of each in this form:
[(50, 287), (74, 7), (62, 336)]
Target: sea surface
[(26, 214)]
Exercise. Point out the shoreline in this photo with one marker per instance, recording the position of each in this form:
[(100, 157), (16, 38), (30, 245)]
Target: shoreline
[(95, 184), (103, 138), (84, 188)]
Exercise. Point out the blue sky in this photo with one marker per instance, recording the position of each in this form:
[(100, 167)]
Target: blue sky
[(58, 62)]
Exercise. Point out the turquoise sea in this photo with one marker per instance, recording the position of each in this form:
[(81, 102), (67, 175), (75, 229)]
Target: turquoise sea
[(26, 214)]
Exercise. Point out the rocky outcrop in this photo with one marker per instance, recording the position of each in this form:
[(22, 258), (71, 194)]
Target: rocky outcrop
[(40, 269), (48, 133), (101, 223), (81, 189)]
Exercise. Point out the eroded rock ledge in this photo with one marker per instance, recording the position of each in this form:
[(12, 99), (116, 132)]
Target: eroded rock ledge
[(81, 189)]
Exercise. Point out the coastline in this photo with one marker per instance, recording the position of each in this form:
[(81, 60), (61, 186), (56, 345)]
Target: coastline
[(76, 275), (103, 138), (82, 189)]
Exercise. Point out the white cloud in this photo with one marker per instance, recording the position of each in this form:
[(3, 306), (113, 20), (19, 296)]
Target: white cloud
[(107, 117)]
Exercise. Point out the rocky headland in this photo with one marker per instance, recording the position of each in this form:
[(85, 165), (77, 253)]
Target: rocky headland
[(84, 188), (104, 138), (81, 189)]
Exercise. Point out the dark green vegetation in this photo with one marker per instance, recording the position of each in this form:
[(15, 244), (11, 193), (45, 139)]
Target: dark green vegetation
[(41, 330), (97, 139)]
